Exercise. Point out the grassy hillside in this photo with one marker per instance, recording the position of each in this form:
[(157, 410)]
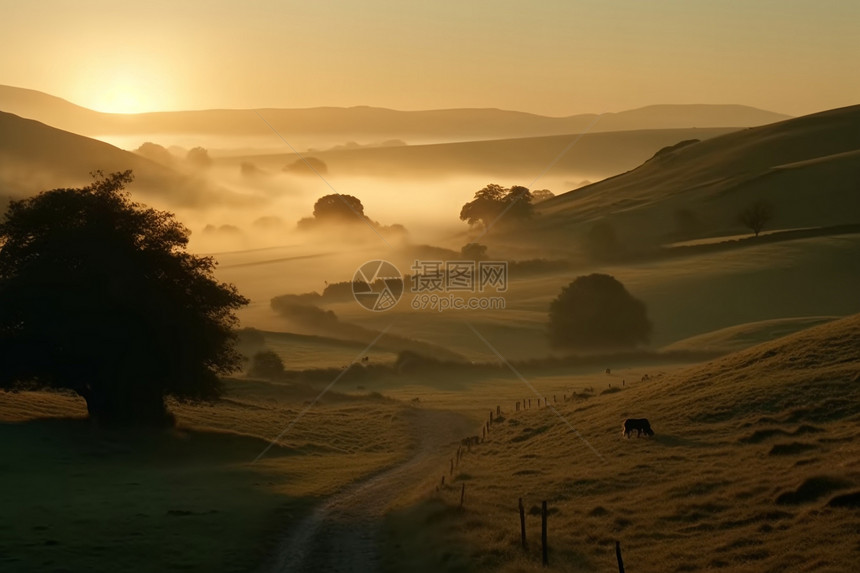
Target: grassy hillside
[(35, 157), (754, 467), (808, 168), (594, 155)]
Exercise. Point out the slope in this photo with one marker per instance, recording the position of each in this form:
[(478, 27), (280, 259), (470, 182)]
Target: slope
[(34, 157), (808, 168), (754, 467)]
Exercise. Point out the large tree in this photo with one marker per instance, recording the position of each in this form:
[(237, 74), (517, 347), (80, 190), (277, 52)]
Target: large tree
[(495, 203), (597, 312), (98, 295)]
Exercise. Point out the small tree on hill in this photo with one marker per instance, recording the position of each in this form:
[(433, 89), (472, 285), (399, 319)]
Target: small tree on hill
[(597, 312), (267, 364), (756, 216), (97, 295), (542, 195), (199, 157), (474, 251)]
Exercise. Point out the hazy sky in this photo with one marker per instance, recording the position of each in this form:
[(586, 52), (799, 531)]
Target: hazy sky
[(551, 57)]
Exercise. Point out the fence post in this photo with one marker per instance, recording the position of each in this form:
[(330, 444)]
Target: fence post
[(498, 411), (462, 494), (443, 480), (523, 523), (543, 533), (618, 557)]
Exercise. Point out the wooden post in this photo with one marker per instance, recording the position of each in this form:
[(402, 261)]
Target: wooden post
[(498, 411), (543, 533), (554, 399), (462, 494), (485, 433), (443, 480), (491, 417), (518, 406), (618, 557), (523, 524), (530, 402)]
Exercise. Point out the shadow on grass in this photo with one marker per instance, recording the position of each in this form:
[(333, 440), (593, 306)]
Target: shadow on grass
[(78, 498)]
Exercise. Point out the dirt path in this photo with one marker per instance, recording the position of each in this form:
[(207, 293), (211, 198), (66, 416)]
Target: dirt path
[(342, 534)]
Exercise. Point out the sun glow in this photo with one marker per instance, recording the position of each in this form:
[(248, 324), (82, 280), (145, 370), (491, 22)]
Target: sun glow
[(123, 92)]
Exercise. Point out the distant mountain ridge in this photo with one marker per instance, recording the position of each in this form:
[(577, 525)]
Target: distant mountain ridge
[(442, 124)]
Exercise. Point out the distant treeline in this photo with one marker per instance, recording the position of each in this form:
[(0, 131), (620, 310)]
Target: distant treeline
[(412, 363)]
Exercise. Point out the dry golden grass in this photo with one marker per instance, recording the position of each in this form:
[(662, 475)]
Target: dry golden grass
[(749, 452)]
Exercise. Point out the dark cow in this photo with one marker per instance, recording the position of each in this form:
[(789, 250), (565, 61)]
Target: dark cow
[(640, 425)]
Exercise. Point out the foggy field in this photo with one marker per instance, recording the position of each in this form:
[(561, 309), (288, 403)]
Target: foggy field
[(368, 287)]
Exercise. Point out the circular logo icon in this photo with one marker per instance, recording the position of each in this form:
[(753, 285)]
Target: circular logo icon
[(377, 285)]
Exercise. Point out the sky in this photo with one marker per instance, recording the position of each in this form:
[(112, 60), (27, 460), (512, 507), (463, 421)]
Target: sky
[(548, 57)]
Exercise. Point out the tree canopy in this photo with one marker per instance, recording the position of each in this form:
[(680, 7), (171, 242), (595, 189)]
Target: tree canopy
[(597, 312), (494, 201), (98, 295)]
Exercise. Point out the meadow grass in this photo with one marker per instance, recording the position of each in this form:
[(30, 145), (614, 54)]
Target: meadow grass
[(188, 499), (753, 456)]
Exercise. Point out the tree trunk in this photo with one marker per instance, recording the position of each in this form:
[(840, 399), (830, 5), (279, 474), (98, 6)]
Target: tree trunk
[(126, 407)]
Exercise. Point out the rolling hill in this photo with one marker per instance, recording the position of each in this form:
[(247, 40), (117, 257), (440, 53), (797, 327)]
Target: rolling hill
[(374, 123), (808, 168), (35, 157), (754, 467), (594, 155)]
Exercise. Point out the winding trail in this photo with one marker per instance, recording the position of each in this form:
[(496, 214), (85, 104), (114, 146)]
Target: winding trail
[(342, 534)]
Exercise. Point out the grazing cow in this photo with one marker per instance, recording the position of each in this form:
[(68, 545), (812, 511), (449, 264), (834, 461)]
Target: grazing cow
[(638, 424)]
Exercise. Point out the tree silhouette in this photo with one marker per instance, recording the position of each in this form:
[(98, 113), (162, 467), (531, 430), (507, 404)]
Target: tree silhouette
[(542, 195), (756, 216), (199, 157), (596, 311), (494, 201), (474, 251), (97, 295), (338, 207), (267, 364)]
